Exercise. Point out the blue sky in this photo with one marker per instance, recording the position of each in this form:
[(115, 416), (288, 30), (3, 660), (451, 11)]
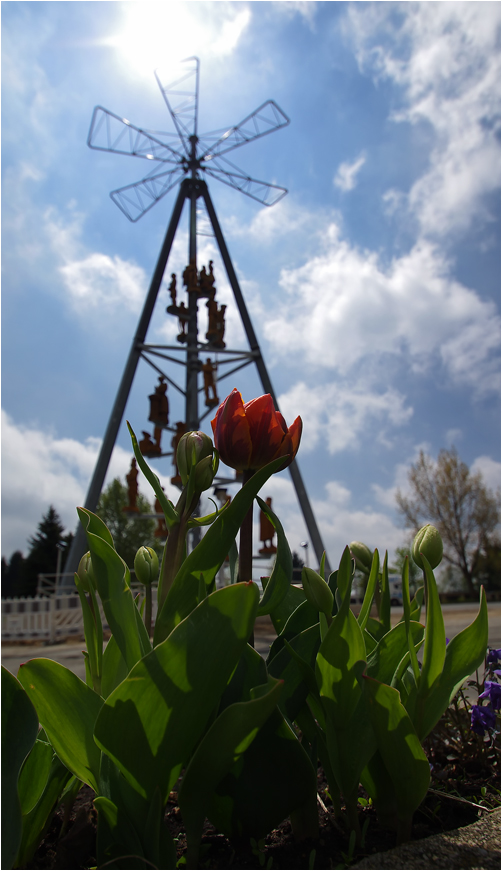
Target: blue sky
[(373, 287)]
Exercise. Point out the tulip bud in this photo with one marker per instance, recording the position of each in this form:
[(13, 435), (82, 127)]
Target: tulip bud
[(317, 591), (85, 573), (429, 543), (146, 565), (192, 448), (362, 555)]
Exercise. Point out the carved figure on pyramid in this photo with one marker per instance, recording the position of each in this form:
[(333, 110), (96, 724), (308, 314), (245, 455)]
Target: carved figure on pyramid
[(212, 324), (206, 281), (159, 404), (220, 326), (147, 447), (132, 488), (210, 277), (161, 530), (172, 309), (157, 435), (183, 317), (267, 532), (181, 429), (190, 279), (208, 370)]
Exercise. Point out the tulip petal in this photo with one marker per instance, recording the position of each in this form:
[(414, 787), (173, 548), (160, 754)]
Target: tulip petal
[(265, 430), (231, 432), (290, 443)]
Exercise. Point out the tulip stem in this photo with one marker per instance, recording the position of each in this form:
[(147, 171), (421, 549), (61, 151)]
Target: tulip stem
[(246, 544)]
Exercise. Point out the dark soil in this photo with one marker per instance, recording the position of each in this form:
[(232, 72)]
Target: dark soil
[(438, 813)]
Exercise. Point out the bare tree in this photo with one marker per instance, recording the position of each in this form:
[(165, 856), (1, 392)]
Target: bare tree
[(466, 513)]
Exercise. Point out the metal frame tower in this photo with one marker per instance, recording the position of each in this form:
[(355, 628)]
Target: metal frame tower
[(197, 155)]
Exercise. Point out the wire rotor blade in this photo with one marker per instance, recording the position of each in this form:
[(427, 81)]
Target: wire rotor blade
[(136, 199), (266, 119), (180, 89), (261, 191), (110, 132)]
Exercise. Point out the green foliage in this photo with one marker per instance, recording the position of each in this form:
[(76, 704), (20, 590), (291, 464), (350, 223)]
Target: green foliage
[(201, 703), (19, 732)]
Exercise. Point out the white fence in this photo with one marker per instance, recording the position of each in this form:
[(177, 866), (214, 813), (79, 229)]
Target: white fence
[(47, 618), (50, 619)]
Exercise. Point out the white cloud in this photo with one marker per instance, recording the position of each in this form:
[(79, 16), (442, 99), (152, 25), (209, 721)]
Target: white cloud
[(339, 414), (445, 58), (344, 305), (346, 175), (490, 472), (39, 469), (93, 280)]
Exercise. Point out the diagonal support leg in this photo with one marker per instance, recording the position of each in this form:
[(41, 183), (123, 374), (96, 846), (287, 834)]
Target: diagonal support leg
[(296, 477), (78, 546)]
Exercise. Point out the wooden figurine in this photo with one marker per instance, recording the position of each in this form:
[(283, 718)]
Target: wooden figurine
[(159, 404), (132, 488), (208, 370), (190, 279), (180, 431)]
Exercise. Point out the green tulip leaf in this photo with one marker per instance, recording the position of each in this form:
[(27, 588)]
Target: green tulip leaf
[(435, 636), (280, 579), (221, 747), (385, 659), (112, 579), (282, 612), (464, 654), (67, 710), (384, 610), (294, 664), (207, 558), (34, 775), (114, 668), (370, 592), (271, 780), (38, 820), (19, 733), (399, 747), (163, 706)]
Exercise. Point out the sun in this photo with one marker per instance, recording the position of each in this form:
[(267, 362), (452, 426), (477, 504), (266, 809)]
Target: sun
[(154, 34)]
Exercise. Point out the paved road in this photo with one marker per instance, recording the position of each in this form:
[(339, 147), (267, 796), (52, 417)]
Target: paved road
[(456, 618)]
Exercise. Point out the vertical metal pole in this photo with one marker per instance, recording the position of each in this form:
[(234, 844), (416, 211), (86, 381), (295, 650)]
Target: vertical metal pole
[(191, 402), (294, 471), (78, 546)]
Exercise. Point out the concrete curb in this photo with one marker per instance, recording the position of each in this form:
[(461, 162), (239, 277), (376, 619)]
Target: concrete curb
[(473, 847)]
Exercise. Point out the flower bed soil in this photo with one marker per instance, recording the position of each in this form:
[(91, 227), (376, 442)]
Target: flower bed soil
[(76, 849)]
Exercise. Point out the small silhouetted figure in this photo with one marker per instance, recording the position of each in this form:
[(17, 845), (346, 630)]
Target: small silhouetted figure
[(212, 309), (190, 276), (208, 370), (220, 327), (172, 289), (180, 431), (183, 317), (132, 487), (267, 532), (147, 447), (159, 404)]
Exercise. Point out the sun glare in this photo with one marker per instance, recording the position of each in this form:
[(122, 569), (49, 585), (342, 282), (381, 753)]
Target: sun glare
[(161, 34)]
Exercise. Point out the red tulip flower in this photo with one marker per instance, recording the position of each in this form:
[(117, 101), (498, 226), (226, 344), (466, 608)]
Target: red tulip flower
[(251, 435)]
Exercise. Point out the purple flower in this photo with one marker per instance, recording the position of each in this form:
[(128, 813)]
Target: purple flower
[(482, 718), (492, 692), (493, 657)]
